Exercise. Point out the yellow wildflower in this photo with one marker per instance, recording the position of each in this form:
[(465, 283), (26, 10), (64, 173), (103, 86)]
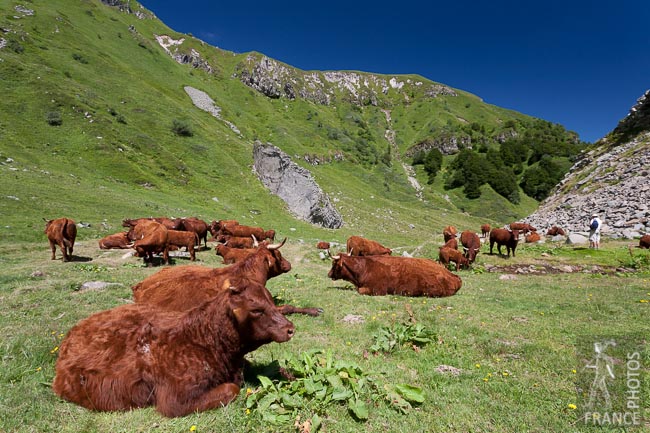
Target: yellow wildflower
[(477, 365), (54, 350), (572, 406), (574, 371), (193, 428)]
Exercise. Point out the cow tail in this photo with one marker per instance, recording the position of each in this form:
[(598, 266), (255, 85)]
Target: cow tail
[(66, 241)]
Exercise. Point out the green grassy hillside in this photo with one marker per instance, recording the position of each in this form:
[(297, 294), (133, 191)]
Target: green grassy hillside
[(92, 108)]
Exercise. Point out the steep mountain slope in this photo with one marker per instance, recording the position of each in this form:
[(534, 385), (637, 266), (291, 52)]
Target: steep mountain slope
[(98, 125), (613, 180)]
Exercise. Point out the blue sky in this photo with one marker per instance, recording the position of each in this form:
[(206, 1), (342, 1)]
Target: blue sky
[(581, 63)]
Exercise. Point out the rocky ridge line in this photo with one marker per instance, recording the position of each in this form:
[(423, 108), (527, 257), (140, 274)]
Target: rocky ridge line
[(610, 180)]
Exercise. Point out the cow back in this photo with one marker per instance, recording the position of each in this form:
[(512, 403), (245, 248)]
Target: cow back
[(390, 275)]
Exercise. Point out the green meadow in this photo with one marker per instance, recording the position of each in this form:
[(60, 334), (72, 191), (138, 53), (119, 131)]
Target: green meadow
[(501, 355)]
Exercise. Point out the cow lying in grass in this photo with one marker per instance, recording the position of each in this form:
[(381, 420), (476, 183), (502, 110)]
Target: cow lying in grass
[(389, 275), (135, 356), (184, 287)]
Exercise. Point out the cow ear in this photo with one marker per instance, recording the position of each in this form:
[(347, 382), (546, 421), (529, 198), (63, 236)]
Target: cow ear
[(233, 289)]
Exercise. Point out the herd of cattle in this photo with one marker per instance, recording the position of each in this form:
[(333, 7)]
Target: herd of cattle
[(180, 346)]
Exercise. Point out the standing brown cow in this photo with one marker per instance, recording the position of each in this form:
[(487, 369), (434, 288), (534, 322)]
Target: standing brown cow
[(447, 255), (150, 237), (61, 232), (485, 230), (449, 232), (389, 275), (504, 237), (136, 356), (471, 244), (180, 238), (522, 227), (195, 225)]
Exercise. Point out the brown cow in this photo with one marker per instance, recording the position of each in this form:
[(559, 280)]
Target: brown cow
[(167, 222), (237, 242), (471, 244), (390, 275), (246, 231), (135, 356), (322, 245), (150, 237), (358, 246), (644, 242), (522, 227), (451, 243), (185, 239), (233, 255), (485, 230), (449, 232), (195, 225), (532, 238), (554, 231), (117, 240), (215, 226), (61, 232), (184, 287), (504, 237), (447, 255)]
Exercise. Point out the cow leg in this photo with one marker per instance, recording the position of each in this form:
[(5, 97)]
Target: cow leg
[(168, 403), (53, 248), (491, 245), (192, 253), (64, 252)]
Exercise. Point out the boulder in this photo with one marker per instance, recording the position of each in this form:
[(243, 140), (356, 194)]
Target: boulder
[(576, 239), (295, 185)]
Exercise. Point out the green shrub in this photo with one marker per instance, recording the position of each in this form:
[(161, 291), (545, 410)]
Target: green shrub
[(54, 118), (182, 128)]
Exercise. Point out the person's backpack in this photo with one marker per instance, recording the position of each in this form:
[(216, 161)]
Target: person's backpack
[(593, 225)]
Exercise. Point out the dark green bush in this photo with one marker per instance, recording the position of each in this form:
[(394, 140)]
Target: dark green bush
[(182, 128), (54, 118)]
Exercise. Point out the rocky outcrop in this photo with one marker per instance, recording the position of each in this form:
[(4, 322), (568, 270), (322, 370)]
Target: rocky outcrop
[(447, 145), (277, 80), (610, 180), (295, 185), (173, 47)]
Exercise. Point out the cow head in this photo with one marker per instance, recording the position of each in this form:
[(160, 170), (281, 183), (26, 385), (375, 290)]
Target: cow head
[(515, 235), (276, 263), (257, 319)]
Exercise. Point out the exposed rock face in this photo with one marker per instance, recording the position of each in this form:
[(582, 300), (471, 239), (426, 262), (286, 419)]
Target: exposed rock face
[(174, 49), (611, 180), (277, 80), (295, 185), (447, 145)]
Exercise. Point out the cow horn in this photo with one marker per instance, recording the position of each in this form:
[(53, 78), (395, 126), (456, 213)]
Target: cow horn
[(255, 243), (336, 257), (276, 246)]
